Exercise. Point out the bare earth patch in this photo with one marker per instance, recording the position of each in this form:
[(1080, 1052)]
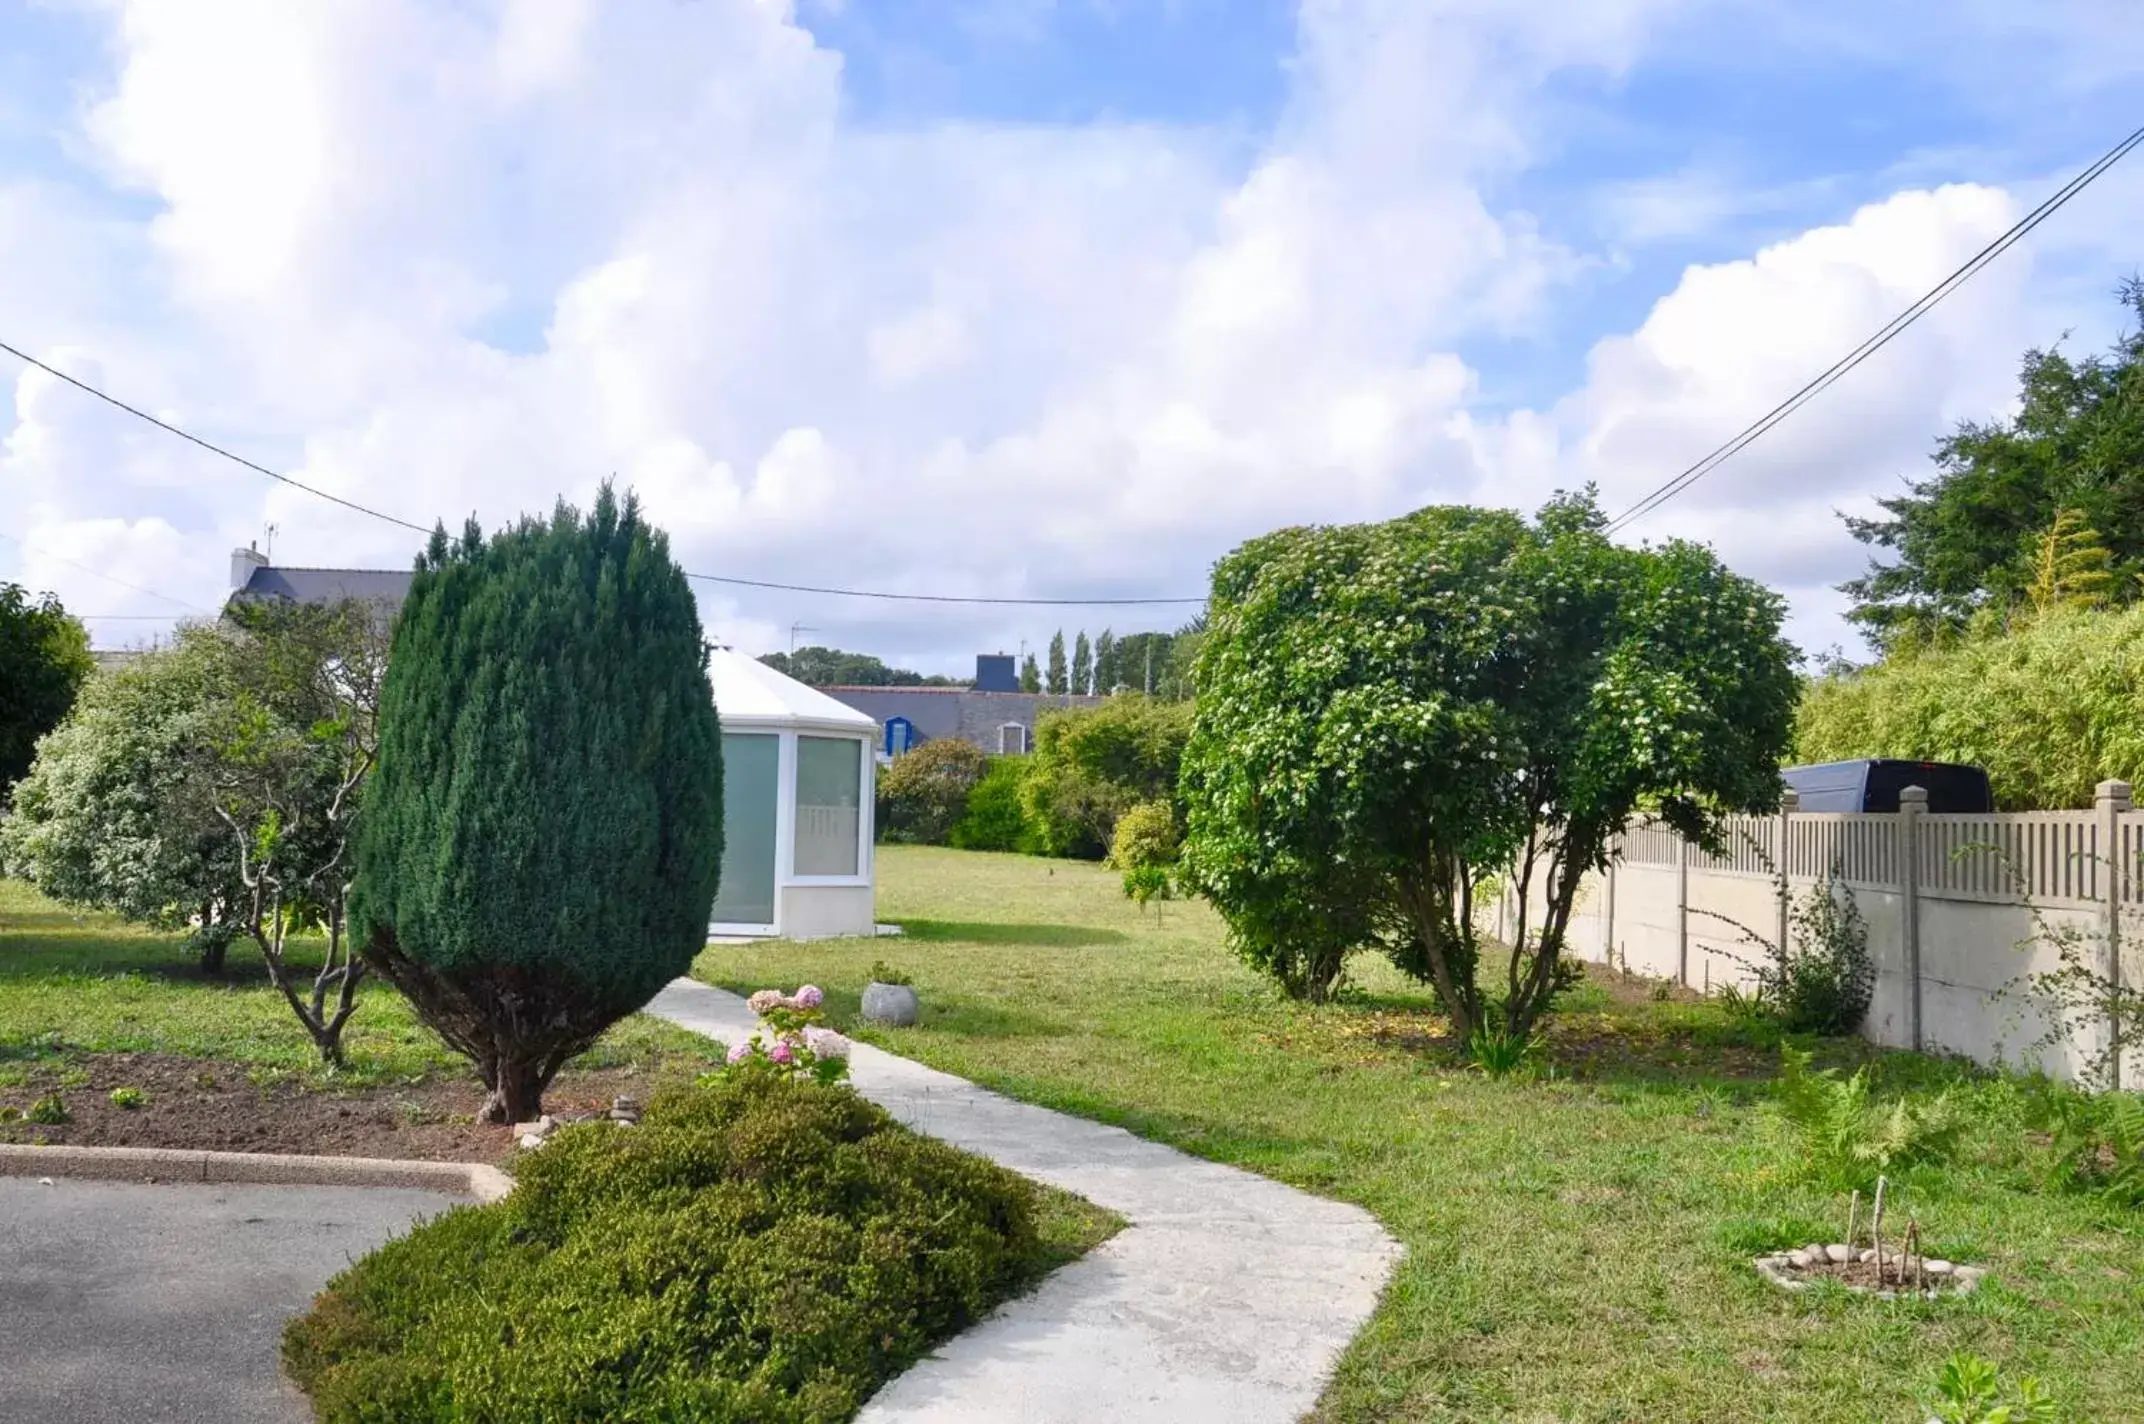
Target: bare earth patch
[(209, 1105)]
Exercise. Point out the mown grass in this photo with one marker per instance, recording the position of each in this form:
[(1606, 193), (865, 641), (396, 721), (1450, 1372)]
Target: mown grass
[(1577, 1245), (74, 982)]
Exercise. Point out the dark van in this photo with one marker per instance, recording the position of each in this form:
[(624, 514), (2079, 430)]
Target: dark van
[(1873, 785)]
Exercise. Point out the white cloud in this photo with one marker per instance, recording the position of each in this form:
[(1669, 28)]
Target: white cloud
[(444, 259)]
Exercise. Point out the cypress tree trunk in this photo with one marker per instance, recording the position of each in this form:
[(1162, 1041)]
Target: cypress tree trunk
[(517, 1084)]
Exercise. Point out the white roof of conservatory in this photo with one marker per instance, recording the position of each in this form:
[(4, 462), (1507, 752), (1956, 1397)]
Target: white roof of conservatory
[(749, 693)]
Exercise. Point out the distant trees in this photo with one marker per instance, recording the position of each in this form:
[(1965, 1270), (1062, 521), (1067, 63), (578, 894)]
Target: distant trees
[(543, 835), (1030, 675), (830, 667), (1390, 713), (44, 660), (1105, 663), (1082, 665), (1058, 682), (1972, 539)]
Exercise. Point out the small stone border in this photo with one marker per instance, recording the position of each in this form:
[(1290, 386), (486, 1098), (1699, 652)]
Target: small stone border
[(1782, 1269), (168, 1164)]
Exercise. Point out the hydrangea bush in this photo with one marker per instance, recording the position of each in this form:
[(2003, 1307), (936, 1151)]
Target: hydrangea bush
[(793, 1043)]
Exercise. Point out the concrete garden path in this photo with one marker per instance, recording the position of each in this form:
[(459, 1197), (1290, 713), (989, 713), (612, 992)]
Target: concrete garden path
[(1228, 1298)]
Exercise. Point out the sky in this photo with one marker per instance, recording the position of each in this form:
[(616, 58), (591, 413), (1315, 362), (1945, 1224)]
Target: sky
[(1013, 298)]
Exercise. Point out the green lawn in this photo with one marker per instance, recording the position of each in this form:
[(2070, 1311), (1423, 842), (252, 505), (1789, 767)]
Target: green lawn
[(87, 982), (1577, 1246)]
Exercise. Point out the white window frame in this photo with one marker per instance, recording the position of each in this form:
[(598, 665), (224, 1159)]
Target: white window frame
[(785, 857)]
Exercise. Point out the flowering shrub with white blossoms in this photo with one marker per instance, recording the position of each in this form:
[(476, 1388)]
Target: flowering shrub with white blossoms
[(793, 1041)]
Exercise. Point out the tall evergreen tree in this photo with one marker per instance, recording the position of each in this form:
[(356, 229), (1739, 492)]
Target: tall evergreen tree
[(1030, 675), (1058, 677), (44, 660), (1105, 662), (1082, 664), (543, 832), (1962, 540)]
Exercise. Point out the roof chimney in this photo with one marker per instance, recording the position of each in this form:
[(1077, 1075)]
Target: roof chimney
[(243, 563)]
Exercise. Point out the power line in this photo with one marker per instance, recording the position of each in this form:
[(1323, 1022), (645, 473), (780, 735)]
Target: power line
[(1719, 456), (166, 425), (944, 597), (704, 578), (109, 578)]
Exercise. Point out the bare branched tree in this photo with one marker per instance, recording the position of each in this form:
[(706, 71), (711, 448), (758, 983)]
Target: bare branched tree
[(296, 737)]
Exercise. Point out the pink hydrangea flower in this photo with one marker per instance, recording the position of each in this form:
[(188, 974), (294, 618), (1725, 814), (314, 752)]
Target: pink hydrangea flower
[(764, 1000), (825, 1043), (740, 1050), (782, 1052), (810, 997)]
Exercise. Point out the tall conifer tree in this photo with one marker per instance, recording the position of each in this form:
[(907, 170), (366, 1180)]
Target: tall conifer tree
[(543, 832)]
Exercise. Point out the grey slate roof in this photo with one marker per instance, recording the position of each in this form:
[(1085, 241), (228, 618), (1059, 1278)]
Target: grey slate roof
[(388, 586)]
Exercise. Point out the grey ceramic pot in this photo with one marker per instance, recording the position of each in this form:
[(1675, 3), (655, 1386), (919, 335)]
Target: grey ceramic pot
[(890, 1004)]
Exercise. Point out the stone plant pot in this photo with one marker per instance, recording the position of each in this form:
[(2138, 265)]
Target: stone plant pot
[(893, 1004)]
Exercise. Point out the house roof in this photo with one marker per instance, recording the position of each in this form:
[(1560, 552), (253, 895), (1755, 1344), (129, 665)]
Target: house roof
[(327, 585), (749, 693)]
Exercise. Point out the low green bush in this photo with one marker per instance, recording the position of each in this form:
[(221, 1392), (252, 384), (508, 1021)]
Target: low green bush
[(996, 818), (924, 794), (1146, 835), (1092, 765), (758, 1249)]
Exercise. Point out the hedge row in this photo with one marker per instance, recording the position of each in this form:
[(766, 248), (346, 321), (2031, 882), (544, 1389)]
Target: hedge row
[(1090, 766)]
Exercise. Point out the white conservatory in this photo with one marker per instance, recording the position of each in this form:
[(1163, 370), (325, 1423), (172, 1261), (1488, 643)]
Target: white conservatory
[(797, 802)]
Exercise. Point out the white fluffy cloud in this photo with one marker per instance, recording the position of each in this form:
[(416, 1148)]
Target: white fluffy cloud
[(453, 259)]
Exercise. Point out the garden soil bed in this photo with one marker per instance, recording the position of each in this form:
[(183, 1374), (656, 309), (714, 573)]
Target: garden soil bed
[(209, 1105)]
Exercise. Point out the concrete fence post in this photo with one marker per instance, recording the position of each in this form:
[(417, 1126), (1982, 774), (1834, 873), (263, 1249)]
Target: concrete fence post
[(1789, 801), (1682, 912), (1912, 805), (2113, 802)]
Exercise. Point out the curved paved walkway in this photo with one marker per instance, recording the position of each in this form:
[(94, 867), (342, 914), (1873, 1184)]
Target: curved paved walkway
[(1228, 1298)]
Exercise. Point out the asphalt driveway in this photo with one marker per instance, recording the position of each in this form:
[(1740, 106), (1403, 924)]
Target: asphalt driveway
[(127, 1303)]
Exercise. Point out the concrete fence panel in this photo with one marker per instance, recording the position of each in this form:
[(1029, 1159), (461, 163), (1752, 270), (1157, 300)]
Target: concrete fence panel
[(1960, 912)]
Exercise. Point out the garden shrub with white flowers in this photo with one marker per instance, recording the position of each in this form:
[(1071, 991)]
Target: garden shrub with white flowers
[(1390, 713), (765, 1246)]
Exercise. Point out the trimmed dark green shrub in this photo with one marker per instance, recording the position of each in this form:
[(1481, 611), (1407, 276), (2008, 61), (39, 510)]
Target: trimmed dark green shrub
[(923, 795), (543, 833), (997, 818), (758, 1249)]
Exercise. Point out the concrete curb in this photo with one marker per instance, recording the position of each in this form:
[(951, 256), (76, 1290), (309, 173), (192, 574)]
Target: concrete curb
[(167, 1164)]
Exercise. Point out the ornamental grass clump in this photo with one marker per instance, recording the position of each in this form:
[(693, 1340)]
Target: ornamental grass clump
[(761, 1248)]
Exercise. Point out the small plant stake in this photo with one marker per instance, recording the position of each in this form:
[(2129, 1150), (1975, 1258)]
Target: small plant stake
[(1853, 1218), (1876, 1228)]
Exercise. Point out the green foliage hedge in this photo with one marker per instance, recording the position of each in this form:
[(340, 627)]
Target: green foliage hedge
[(995, 818), (924, 794), (1092, 764), (758, 1249), (2051, 709)]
